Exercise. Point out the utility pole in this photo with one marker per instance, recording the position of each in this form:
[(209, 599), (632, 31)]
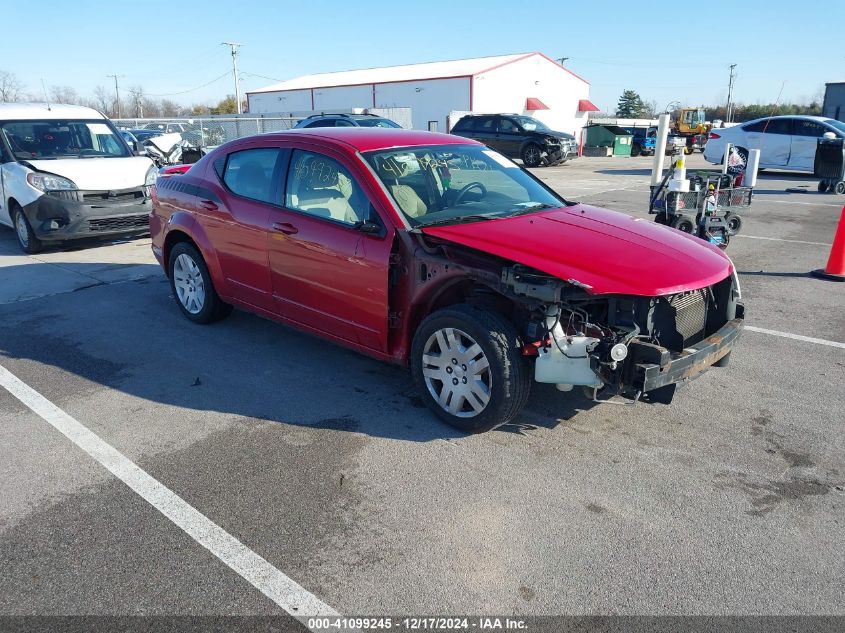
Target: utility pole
[(234, 46), (729, 108), (116, 93)]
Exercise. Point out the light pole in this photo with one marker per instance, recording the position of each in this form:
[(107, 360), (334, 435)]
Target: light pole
[(234, 46)]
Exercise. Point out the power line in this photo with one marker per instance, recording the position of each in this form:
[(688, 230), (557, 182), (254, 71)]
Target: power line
[(234, 46), (182, 92)]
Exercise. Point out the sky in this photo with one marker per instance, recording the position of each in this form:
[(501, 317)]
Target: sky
[(666, 51)]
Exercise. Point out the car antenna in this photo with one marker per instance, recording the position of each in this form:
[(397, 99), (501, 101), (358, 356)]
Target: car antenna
[(44, 88)]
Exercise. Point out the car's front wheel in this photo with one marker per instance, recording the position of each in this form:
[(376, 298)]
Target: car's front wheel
[(469, 368), (26, 236), (192, 287), (531, 155)]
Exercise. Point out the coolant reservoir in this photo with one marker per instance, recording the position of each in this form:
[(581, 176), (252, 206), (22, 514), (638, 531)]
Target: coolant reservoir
[(567, 363)]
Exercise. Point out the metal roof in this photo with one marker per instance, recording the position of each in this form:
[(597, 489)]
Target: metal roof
[(39, 110), (390, 74)]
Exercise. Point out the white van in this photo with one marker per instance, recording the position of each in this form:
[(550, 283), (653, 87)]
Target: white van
[(66, 173)]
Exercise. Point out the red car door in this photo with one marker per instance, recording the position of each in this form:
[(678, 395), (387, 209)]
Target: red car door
[(235, 214), (327, 273)]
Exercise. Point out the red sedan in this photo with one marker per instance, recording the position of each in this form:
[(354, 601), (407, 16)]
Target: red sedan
[(434, 251)]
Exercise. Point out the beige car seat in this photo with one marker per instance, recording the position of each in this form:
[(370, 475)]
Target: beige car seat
[(324, 191), (390, 170)]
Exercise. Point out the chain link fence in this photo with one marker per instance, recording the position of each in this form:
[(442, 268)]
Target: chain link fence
[(216, 130), (212, 131)]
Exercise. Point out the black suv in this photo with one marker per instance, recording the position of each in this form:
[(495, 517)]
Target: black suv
[(346, 120), (518, 136)]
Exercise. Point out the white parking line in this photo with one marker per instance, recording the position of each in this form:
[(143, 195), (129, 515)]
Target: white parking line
[(253, 568), (762, 200), (780, 239), (797, 337)]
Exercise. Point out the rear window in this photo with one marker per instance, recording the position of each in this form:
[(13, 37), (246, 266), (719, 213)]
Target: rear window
[(465, 123), (249, 173)]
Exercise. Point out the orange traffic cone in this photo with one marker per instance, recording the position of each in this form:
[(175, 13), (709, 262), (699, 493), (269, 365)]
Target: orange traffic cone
[(835, 269)]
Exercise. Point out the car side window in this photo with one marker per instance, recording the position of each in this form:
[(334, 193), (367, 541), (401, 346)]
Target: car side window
[(343, 123), (486, 124), (507, 126), (249, 173), (779, 126), (808, 128), (320, 186), (756, 127), (322, 123)]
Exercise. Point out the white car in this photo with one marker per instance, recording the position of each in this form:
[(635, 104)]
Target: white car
[(785, 142), (66, 173)]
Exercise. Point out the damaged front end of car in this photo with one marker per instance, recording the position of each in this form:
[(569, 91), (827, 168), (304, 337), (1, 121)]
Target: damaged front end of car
[(632, 346)]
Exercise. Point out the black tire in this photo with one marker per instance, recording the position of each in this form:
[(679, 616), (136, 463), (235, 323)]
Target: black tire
[(662, 218), (509, 372), (635, 150), (840, 187), (733, 223), (822, 186), (683, 224), (29, 243), (211, 308), (532, 155)]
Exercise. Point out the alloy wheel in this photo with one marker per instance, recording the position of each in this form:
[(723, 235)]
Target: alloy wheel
[(457, 372), (189, 284)]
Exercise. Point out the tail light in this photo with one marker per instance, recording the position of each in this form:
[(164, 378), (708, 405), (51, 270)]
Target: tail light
[(713, 135)]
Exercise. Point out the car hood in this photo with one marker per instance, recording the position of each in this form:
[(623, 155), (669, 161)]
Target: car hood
[(99, 174), (604, 251)]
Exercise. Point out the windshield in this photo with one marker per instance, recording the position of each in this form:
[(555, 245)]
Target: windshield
[(839, 125), (377, 123), (455, 183), (531, 124), (63, 139)]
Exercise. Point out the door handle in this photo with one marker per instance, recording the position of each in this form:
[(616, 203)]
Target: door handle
[(285, 227), (208, 205)]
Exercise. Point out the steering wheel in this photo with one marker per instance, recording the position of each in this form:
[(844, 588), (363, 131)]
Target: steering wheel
[(465, 189)]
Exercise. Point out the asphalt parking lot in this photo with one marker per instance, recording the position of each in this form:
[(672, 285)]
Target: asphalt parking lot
[(325, 464)]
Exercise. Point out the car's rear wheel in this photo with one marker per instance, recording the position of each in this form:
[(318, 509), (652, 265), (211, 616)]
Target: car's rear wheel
[(192, 286), (469, 368), (531, 155), (26, 237), (822, 186)]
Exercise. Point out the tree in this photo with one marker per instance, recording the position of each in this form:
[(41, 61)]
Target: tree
[(630, 106), (104, 101), (170, 108), (10, 87), (63, 94), (227, 106)]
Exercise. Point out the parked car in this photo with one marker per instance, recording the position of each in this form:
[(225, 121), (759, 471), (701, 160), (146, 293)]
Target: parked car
[(643, 140), (50, 194), (787, 142), (346, 120), (164, 127), (518, 136), (433, 251)]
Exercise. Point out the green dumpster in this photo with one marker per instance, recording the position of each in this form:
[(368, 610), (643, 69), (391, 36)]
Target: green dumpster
[(609, 136)]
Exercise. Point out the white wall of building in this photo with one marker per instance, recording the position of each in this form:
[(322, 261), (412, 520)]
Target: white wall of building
[(430, 100), (343, 97), (506, 89), (273, 102), (502, 89)]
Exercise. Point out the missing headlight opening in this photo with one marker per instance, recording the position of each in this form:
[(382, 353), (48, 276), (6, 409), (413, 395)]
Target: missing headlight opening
[(609, 342)]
